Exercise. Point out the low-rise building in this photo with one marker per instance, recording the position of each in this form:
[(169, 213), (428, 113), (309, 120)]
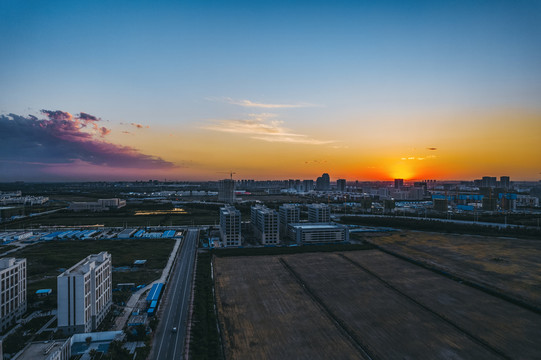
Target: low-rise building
[(100, 205), (318, 233), (85, 294), (127, 233), (12, 290), (46, 350)]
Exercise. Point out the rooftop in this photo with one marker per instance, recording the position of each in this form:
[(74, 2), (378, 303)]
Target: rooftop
[(41, 350), (83, 266), (317, 226)]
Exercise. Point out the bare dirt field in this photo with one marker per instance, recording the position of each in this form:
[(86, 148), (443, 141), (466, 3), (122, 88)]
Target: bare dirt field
[(507, 265), (389, 325), (512, 330), (265, 314), (362, 304)]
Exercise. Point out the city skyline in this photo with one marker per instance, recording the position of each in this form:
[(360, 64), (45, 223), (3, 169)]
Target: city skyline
[(270, 90)]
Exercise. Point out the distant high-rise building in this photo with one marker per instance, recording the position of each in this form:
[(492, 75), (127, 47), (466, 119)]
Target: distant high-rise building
[(319, 213), (488, 181), (265, 223), (85, 294), (230, 226), (289, 213), (12, 290), (422, 185), (308, 185), (323, 183), (504, 182), (226, 191), (341, 185), (398, 183)]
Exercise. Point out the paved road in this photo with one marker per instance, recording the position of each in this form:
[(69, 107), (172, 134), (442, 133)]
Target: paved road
[(120, 321), (169, 345)]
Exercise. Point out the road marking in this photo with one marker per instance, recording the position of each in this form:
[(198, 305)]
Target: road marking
[(186, 283), (167, 321)]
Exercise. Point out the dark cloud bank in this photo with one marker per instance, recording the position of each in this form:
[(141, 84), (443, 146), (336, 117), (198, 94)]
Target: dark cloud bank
[(62, 138)]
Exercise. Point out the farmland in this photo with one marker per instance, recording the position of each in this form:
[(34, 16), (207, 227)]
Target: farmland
[(278, 320), (507, 265), (508, 328), (362, 304)]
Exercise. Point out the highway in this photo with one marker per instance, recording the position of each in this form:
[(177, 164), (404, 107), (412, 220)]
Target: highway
[(175, 302)]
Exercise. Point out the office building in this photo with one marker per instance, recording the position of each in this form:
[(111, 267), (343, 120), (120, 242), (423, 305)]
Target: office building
[(85, 294), (323, 183), (341, 185), (289, 213), (308, 185), (398, 183), (319, 213), (488, 181), (505, 182), (226, 191), (230, 222), (265, 224), (318, 233), (12, 291)]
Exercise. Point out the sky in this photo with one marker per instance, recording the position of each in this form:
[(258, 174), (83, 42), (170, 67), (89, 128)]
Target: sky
[(191, 90)]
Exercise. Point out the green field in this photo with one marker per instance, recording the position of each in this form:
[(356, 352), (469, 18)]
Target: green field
[(4, 248), (46, 260), (193, 214)]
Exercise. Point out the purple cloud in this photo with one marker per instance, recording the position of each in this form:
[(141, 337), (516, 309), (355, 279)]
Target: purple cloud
[(57, 115), (87, 117), (64, 139)]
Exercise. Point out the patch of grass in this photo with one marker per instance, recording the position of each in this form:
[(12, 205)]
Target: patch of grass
[(46, 260), (205, 340), (441, 226), (18, 339), (4, 248), (198, 214)]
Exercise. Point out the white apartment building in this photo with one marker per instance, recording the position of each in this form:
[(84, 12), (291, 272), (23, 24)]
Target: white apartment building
[(265, 224), (12, 290), (289, 213), (230, 226), (85, 294), (319, 213)]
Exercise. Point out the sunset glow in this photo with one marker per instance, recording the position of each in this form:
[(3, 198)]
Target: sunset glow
[(270, 91)]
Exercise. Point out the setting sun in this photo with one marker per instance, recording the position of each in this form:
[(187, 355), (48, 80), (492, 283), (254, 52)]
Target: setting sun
[(402, 170)]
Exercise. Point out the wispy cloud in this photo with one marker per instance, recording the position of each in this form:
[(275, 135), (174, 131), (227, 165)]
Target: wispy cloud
[(139, 126), (315, 162), (419, 158), (253, 104), (262, 127)]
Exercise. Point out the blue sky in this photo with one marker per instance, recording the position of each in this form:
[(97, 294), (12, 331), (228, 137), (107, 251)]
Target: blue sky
[(177, 64)]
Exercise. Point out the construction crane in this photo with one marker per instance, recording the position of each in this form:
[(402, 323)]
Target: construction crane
[(227, 172)]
